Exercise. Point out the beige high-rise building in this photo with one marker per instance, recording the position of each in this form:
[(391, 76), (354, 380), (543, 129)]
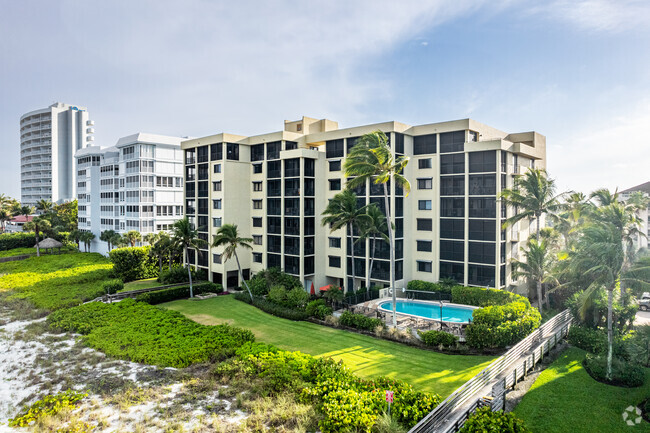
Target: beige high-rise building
[(275, 187)]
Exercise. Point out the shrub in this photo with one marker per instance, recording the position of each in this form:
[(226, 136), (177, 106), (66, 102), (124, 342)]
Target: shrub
[(500, 326), (297, 298), (49, 405), (437, 338), (264, 280), (318, 309), (9, 241), (271, 307), (277, 295), (623, 374), (173, 293), (175, 275), (595, 341), (112, 286), (140, 332), (484, 420), (359, 321), (133, 263), (427, 286), (481, 297)]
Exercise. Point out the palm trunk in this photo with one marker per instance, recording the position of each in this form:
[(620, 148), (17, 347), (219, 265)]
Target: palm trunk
[(350, 228), (170, 261), (539, 283), (392, 253), (610, 333), (38, 249), (189, 272), (372, 260), (159, 264), (241, 275)]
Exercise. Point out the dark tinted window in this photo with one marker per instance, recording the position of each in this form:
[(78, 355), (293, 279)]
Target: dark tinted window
[(335, 165), (452, 207), (482, 184), (450, 164), (425, 246), (274, 225), (202, 154), (452, 250), (482, 230), (292, 167), (335, 184), (424, 266), (452, 141), (424, 224), (273, 260), (273, 150), (273, 206), (334, 148), (452, 185), (310, 165), (424, 144), (232, 151), (481, 252), (257, 152), (257, 222), (483, 161), (292, 187), (455, 271), (274, 188), (309, 187), (452, 229), (424, 163), (482, 207), (274, 244), (290, 145), (273, 169), (350, 142), (216, 151), (399, 143), (334, 261), (479, 275)]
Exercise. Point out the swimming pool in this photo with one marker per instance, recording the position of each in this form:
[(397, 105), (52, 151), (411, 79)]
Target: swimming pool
[(430, 310)]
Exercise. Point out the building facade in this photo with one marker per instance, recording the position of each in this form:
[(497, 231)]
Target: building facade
[(641, 240), (275, 187), (49, 139), (135, 185)]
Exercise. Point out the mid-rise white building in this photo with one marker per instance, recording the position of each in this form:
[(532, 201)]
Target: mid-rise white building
[(642, 239), (49, 139), (135, 185)]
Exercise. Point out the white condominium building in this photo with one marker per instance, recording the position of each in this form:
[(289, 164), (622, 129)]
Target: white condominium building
[(135, 185), (49, 139), (641, 240), (275, 187)]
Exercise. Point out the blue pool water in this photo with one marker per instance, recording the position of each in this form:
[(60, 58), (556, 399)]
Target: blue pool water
[(450, 313)]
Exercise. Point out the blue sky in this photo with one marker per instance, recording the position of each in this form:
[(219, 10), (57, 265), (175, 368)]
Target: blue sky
[(577, 71)]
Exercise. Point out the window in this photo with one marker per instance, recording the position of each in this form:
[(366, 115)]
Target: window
[(257, 186), (310, 187), (216, 186), (190, 173), (452, 185), (479, 275), (257, 257), (216, 151), (451, 164), (217, 168), (257, 152), (482, 230), (424, 266), (482, 207), (452, 250), (482, 184), (424, 144), (452, 207), (257, 222), (424, 163), (274, 244), (335, 184), (482, 252), (216, 222), (232, 151), (216, 258), (257, 204), (424, 224), (274, 188), (189, 155), (203, 171), (351, 141), (257, 168), (452, 141), (310, 167), (426, 183), (202, 154), (216, 204), (334, 148), (292, 226), (454, 271), (290, 145), (257, 239), (273, 206), (399, 143), (273, 169), (335, 242), (273, 150), (473, 136), (292, 167), (335, 165), (425, 246), (334, 261), (485, 161), (292, 187), (424, 204)]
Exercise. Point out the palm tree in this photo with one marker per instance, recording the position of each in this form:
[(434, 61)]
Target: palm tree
[(116, 240), (150, 238), (371, 159), (44, 206), (374, 226), (604, 197), (343, 211), (533, 195), (538, 265), (37, 224), (132, 236), (86, 238), (108, 236), (186, 236), (160, 248), (5, 216), (228, 237), (74, 235), (23, 210)]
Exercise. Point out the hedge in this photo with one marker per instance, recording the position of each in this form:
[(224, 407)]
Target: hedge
[(427, 286), (481, 297), (318, 309), (174, 293), (133, 263), (595, 341), (359, 321), (9, 241), (437, 338), (111, 287), (484, 420), (264, 280), (175, 275), (502, 325), (272, 308), (623, 373)]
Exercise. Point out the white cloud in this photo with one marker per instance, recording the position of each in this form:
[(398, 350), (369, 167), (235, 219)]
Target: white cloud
[(599, 15)]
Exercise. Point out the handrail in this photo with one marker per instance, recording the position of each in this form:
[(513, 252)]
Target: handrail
[(473, 388), (127, 294)]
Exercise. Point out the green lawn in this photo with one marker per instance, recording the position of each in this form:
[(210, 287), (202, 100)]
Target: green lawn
[(31, 250), (565, 399), (51, 282), (141, 284), (364, 355)]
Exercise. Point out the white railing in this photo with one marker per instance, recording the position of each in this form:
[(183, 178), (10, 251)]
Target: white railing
[(504, 372)]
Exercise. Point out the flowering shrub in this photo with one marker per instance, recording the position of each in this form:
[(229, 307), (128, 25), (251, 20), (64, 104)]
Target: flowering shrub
[(49, 405)]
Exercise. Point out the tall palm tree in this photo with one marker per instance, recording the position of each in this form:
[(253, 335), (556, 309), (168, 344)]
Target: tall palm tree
[(374, 226), (604, 197), (86, 238), (160, 247), (533, 195), (74, 235), (150, 238), (228, 237), (37, 224), (343, 211), (540, 260), (185, 236), (44, 206), (132, 236), (5, 216), (116, 240), (371, 159), (108, 236)]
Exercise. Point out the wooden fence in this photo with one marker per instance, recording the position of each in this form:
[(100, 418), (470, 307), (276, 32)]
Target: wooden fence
[(490, 385)]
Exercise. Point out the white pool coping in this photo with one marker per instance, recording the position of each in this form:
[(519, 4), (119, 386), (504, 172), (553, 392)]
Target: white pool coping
[(417, 301)]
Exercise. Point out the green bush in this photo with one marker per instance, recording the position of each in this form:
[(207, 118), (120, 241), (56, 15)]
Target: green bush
[(174, 293), (9, 241), (623, 373), (264, 280), (297, 298), (272, 307), (501, 325), (595, 341), (140, 332), (277, 295), (359, 321), (481, 297), (133, 263), (484, 420), (318, 309), (112, 286), (49, 405), (437, 338), (427, 286), (175, 275)]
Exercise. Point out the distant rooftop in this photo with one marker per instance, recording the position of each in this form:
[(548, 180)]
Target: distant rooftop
[(644, 187)]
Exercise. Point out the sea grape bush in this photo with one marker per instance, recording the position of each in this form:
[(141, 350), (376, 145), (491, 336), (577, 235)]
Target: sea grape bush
[(9, 241), (173, 293), (481, 297), (144, 333), (484, 420), (437, 338), (359, 321), (133, 263)]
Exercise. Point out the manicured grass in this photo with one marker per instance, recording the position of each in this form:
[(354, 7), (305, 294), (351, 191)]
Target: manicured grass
[(366, 356), (565, 399), (141, 284), (51, 282), (30, 250)]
